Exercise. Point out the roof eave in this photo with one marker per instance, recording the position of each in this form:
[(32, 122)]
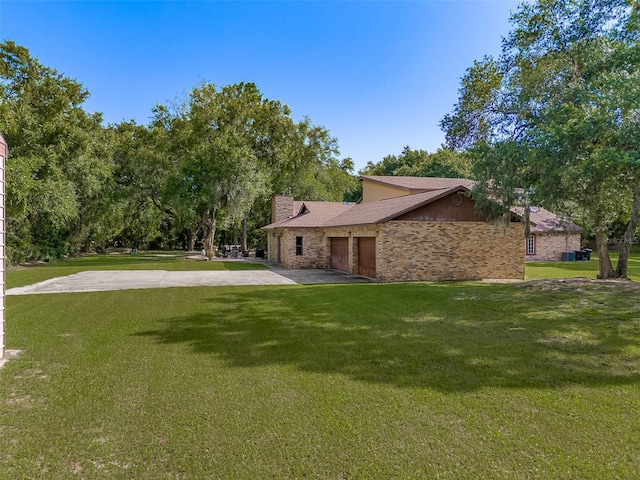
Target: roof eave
[(389, 184)]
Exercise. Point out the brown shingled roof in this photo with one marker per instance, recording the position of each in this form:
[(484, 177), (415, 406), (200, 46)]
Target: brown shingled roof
[(312, 214), (544, 221), (334, 214), (297, 205), (420, 184), (383, 210)]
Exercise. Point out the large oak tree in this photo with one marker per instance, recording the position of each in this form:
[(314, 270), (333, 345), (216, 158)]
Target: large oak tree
[(59, 161), (554, 120)]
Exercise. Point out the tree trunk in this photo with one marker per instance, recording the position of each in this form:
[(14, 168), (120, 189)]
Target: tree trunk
[(605, 269), (209, 228), (191, 239), (244, 235), (629, 235), (234, 235)]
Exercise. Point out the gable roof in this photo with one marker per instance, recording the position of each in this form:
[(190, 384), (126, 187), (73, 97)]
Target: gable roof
[(420, 191), (297, 205), (390, 208), (420, 184), (311, 214), (335, 214), (544, 221)]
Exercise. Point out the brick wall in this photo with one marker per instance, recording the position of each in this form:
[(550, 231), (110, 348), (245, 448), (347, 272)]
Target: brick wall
[(281, 208), (313, 248), (3, 156), (414, 251), (549, 246)]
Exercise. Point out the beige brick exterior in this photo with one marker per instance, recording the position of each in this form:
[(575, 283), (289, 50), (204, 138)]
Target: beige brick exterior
[(281, 208), (313, 248), (450, 251), (3, 157), (549, 246), (409, 251)]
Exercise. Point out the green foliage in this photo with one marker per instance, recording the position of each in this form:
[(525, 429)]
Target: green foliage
[(208, 163), (475, 117), (556, 115), (445, 163), (231, 149), (57, 164)]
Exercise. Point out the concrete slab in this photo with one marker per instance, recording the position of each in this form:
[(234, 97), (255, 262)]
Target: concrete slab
[(9, 355), (104, 280)]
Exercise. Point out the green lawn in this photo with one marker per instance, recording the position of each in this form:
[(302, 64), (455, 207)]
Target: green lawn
[(540, 270), (21, 276), (367, 381)]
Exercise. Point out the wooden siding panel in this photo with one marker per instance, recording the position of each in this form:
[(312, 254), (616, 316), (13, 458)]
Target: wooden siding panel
[(452, 208)]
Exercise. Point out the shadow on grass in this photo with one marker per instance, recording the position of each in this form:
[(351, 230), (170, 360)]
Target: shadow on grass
[(450, 337)]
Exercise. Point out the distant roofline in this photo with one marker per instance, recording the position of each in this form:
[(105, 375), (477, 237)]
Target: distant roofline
[(401, 181), (418, 201)]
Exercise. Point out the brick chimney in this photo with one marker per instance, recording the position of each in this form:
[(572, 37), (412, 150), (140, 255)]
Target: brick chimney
[(281, 208)]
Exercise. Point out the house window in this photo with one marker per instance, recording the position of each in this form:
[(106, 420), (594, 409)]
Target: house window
[(531, 245), (298, 245)]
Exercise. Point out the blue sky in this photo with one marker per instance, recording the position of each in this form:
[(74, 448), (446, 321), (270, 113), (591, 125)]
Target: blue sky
[(378, 75)]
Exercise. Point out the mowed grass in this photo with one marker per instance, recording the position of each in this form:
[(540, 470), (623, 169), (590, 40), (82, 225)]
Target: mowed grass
[(21, 276), (589, 269), (363, 381)]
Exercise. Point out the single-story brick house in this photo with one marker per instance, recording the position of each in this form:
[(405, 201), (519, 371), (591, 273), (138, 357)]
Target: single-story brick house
[(550, 235), (404, 229)]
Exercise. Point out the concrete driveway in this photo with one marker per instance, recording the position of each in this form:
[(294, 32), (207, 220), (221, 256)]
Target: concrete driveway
[(103, 280)]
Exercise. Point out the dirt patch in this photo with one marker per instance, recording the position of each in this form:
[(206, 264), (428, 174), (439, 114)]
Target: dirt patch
[(578, 283)]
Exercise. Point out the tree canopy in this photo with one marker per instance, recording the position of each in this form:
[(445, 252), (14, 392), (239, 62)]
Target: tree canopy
[(230, 149), (445, 163), (58, 162), (201, 165)]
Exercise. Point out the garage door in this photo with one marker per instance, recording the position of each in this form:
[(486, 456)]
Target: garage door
[(367, 256), (340, 254)]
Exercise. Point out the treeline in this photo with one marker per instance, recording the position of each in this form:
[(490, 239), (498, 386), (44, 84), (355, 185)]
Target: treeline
[(445, 163), (200, 171)]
